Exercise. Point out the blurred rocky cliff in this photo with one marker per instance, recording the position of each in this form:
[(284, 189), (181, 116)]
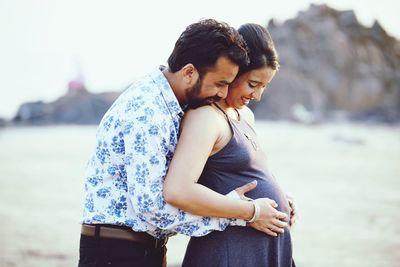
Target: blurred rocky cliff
[(332, 67), (77, 106)]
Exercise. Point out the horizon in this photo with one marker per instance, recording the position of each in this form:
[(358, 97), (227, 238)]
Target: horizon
[(45, 45)]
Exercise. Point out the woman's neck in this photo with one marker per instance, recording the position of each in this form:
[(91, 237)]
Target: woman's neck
[(230, 111), (222, 103)]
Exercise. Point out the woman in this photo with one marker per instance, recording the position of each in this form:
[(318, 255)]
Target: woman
[(218, 144)]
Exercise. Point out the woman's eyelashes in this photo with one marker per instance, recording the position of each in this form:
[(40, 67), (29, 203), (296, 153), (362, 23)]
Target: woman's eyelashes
[(252, 86), (255, 86)]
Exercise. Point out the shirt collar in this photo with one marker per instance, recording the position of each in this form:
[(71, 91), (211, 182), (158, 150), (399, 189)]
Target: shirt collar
[(166, 91)]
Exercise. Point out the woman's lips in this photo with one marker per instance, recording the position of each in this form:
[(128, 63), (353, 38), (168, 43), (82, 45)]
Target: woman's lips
[(245, 101)]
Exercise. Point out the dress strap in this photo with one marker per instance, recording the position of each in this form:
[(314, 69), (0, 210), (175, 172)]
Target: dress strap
[(223, 111)]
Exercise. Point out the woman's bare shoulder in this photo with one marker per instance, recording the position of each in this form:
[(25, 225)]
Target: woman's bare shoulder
[(203, 115), (207, 109)]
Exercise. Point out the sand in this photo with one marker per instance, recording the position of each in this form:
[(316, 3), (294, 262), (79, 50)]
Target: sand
[(345, 179)]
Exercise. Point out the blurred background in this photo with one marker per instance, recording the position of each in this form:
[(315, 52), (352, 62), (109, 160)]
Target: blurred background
[(329, 121)]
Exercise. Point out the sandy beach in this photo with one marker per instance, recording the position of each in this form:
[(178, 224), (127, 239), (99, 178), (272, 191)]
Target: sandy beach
[(345, 179)]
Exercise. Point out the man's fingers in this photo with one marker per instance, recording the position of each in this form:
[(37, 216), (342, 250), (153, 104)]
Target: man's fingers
[(292, 205), (292, 220), (246, 188)]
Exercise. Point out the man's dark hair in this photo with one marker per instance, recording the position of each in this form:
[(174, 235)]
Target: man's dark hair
[(261, 49), (203, 42)]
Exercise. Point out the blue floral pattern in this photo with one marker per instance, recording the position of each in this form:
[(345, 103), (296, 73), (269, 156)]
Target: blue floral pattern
[(136, 140)]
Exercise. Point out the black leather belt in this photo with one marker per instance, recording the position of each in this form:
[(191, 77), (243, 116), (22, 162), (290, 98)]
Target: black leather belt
[(123, 233)]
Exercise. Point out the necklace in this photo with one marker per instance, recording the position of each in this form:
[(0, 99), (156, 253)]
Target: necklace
[(246, 134), (251, 140)]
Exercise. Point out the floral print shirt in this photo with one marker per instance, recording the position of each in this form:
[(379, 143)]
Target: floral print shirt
[(135, 142)]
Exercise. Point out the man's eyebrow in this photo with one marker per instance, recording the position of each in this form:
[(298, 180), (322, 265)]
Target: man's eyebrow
[(225, 82)]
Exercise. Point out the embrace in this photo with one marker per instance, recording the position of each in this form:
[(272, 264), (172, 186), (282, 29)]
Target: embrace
[(177, 153)]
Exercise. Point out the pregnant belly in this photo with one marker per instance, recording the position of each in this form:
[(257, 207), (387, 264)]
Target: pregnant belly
[(270, 189), (267, 187)]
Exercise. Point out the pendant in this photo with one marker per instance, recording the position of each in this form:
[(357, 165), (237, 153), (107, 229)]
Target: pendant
[(252, 141)]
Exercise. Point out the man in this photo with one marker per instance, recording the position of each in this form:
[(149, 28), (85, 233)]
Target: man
[(126, 221)]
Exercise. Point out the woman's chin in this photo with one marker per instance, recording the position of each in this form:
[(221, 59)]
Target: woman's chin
[(240, 106)]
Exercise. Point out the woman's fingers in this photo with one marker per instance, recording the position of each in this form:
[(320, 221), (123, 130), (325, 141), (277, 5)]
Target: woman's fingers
[(269, 232), (281, 216), (276, 229), (279, 223)]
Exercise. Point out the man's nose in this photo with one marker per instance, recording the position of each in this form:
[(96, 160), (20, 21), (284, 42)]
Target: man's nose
[(223, 92)]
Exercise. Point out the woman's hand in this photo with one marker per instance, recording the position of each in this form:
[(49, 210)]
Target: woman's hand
[(271, 221)]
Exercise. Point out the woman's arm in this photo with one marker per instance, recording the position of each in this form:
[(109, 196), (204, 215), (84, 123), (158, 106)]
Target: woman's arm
[(200, 131)]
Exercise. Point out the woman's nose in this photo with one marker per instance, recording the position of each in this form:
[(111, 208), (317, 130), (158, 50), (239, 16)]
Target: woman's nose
[(256, 95)]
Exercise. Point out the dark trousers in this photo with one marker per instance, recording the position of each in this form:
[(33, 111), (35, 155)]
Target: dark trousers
[(99, 252)]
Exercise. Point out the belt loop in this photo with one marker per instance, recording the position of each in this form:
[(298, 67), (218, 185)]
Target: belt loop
[(160, 242), (97, 232), (98, 242)]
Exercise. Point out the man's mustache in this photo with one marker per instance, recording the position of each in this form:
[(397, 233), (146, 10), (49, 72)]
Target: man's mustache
[(214, 98)]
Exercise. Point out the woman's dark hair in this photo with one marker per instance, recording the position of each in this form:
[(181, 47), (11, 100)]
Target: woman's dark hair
[(261, 49), (203, 42)]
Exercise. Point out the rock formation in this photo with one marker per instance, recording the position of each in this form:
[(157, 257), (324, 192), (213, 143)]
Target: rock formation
[(331, 66), (78, 106)]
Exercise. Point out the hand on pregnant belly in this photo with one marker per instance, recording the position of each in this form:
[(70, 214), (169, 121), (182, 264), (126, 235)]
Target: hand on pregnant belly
[(292, 208), (271, 221)]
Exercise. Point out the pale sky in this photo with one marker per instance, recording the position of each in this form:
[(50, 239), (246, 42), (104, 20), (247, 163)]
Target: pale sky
[(46, 43)]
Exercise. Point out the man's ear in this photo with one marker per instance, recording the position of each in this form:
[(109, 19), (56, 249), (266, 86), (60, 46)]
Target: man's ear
[(189, 74)]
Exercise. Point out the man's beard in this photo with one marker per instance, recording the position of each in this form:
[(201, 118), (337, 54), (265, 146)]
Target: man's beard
[(192, 95)]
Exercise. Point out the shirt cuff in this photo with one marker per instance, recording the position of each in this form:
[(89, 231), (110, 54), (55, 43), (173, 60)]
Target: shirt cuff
[(233, 194), (235, 222)]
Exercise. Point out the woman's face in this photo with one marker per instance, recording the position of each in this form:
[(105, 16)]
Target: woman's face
[(249, 85)]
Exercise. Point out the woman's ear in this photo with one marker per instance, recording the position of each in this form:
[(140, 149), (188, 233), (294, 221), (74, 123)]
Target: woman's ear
[(189, 74)]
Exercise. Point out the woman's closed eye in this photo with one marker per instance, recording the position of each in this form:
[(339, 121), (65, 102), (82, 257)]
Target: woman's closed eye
[(257, 86), (252, 86)]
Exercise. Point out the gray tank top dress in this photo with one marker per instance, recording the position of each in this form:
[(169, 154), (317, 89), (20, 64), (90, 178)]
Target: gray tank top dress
[(239, 162)]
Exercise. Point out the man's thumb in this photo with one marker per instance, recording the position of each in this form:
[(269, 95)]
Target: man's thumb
[(247, 187)]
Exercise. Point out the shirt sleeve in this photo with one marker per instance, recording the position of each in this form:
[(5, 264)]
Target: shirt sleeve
[(149, 146)]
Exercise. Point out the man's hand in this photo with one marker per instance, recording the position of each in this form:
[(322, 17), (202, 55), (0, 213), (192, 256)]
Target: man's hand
[(271, 221), (246, 188), (293, 210)]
